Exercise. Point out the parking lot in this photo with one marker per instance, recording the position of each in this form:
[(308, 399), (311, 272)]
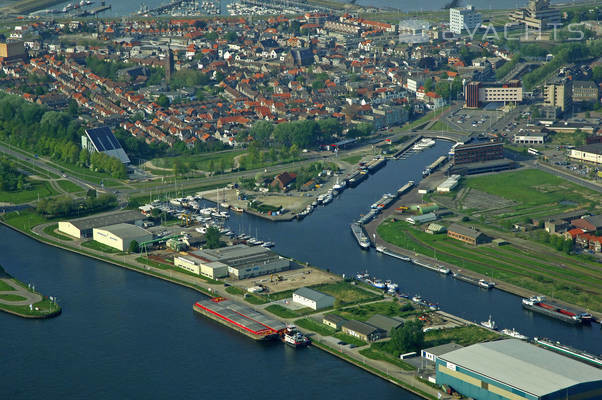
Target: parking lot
[(468, 120)]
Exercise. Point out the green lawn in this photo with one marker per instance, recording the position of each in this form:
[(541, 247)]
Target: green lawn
[(204, 162), (376, 354), (69, 186), (444, 126), (38, 189), (551, 273), (312, 325), (24, 219), (235, 291), (45, 307), (11, 297), (346, 293), (284, 312), (464, 336), (5, 287), (50, 230), (349, 339), (423, 120), (352, 159), (363, 312), (255, 299), (531, 187), (94, 245)]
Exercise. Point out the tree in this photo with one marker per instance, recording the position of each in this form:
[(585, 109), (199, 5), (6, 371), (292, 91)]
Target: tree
[(407, 338), (134, 247), (212, 237), (163, 101), (91, 193)]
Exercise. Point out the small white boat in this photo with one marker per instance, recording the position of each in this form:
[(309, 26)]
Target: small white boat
[(444, 270), (515, 334), (489, 324)]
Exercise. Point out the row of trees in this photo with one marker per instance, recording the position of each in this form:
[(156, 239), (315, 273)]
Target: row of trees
[(65, 206), (11, 178), (407, 338)]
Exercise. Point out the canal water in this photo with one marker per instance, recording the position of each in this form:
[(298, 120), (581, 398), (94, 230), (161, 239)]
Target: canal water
[(125, 335)]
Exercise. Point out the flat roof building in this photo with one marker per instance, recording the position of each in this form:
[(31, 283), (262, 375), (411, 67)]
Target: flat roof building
[(513, 369), (245, 262), (591, 153), (477, 152), (82, 227), (483, 92), (312, 298), (213, 270), (119, 236), (464, 18)]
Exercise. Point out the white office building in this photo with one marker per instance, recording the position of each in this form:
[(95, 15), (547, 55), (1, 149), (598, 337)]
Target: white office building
[(463, 18)]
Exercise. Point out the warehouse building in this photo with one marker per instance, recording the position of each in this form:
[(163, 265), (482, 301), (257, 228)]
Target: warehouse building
[(245, 262), (197, 266), (478, 152), (386, 324), (362, 331), (82, 227), (513, 369), (312, 298), (464, 234), (119, 236)]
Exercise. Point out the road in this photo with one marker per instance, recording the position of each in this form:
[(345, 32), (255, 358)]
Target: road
[(566, 175), (29, 297)]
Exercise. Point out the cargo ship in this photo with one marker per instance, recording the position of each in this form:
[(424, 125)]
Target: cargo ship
[(569, 351), (376, 164), (357, 177), (541, 305), (241, 318), (360, 236), (384, 250)]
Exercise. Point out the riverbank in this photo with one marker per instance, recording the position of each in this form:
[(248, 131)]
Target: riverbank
[(404, 248), (23, 301), (211, 290)]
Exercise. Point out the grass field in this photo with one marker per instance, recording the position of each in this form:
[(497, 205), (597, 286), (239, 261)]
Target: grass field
[(11, 297), (235, 291), (349, 339), (45, 307), (444, 126), (50, 230), (312, 325), (464, 336), (389, 308), (24, 219), (5, 287), (346, 293), (531, 187), (94, 245), (38, 189), (284, 312), (352, 159), (69, 186), (551, 273), (204, 162), (376, 354)]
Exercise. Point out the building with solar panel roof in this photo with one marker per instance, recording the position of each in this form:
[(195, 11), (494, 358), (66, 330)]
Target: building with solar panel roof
[(102, 140)]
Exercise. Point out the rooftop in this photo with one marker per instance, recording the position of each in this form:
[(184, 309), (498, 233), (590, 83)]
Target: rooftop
[(595, 148), (97, 221), (125, 230), (443, 348), (312, 294), (462, 230), (524, 366), (385, 323), (360, 327)]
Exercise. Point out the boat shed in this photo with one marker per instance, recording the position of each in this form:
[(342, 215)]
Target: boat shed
[(82, 227), (312, 298), (385, 323), (421, 219), (119, 236), (362, 331), (513, 369)]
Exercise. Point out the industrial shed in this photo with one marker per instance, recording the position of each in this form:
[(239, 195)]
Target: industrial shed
[(312, 298), (513, 369), (363, 331), (213, 270), (82, 227), (119, 236)]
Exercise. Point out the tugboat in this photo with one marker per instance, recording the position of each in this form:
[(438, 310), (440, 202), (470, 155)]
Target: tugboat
[(294, 338), (489, 324)]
